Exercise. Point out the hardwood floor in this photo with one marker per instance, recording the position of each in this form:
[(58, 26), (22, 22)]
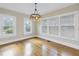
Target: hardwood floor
[(37, 47)]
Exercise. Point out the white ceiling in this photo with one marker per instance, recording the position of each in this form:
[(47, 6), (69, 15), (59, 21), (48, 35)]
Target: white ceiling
[(28, 8)]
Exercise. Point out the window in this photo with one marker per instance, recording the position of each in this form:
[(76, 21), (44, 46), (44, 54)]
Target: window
[(44, 26), (27, 26), (7, 25)]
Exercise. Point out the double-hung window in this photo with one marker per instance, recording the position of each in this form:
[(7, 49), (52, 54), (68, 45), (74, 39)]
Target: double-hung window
[(7, 25), (27, 26)]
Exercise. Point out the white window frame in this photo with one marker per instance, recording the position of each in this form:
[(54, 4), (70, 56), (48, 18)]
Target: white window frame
[(25, 32), (2, 35), (75, 25)]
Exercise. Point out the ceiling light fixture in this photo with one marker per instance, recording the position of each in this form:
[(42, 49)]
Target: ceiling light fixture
[(35, 16)]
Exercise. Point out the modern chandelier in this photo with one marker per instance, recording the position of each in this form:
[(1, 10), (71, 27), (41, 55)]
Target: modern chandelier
[(35, 16)]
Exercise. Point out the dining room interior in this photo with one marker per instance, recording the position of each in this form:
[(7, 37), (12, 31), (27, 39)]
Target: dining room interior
[(39, 29)]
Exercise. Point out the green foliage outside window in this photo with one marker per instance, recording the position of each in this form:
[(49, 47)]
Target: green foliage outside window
[(8, 29), (8, 26)]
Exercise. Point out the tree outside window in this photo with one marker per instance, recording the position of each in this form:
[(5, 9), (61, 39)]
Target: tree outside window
[(8, 25)]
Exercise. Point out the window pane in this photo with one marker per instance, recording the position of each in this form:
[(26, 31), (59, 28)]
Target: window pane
[(8, 25), (44, 29), (27, 26)]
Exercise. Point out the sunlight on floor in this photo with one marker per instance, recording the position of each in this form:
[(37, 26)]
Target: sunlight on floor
[(28, 49)]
